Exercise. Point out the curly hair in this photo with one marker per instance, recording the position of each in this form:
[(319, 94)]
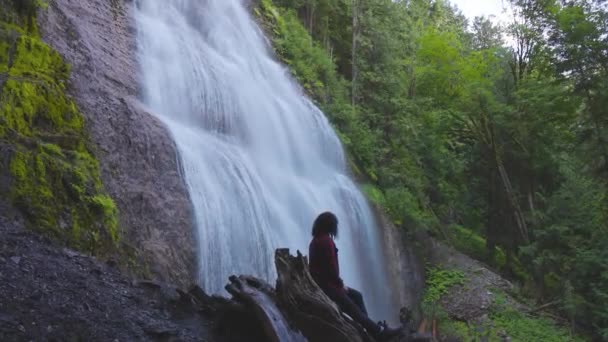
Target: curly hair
[(326, 223)]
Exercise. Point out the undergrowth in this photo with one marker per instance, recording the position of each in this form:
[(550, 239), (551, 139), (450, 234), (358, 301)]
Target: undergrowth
[(504, 321), (438, 283)]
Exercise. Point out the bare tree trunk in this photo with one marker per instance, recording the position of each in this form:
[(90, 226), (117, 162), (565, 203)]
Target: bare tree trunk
[(490, 139), (517, 212), (258, 297), (355, 28), (311, 14), (298, 310), (308, 307)]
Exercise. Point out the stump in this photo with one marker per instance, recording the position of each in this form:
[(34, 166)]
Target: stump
[(297, 310), (259, 298), (308, 307)]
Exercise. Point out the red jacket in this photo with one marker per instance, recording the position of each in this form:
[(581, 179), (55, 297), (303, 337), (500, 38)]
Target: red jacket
[(323, 261)]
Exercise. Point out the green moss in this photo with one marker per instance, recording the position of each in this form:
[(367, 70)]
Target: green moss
[(60, 192), (107, 209), (55, 177), (32, 98), (4, 52), (52, 149)]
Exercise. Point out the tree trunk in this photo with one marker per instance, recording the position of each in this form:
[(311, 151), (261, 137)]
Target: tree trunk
[(355, 28), (258, 297), (298, 310), (308, 307), (311, 15)]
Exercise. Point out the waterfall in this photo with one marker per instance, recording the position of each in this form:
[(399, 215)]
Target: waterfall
[(260, 160)]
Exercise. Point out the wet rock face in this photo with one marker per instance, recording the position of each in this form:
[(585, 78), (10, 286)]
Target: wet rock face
[(139, 162), (406, 272)]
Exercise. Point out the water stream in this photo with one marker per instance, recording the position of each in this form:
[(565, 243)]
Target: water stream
[(260, 160)]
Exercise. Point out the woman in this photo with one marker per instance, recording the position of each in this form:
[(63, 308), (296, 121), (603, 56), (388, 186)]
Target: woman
[(325, 271)]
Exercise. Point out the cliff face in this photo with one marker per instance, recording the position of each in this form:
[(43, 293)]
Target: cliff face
[(121, 150), (139, 163), (48, 172), (405, 269)]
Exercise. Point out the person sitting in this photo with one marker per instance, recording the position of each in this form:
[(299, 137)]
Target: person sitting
[(325, 270)]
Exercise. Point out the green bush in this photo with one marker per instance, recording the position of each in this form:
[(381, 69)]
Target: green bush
[(505, 320), (374, 194), (438, 283)]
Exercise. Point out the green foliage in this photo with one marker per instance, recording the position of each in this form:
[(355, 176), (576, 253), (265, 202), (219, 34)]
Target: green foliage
[(522, 327), (449, 127), (308, 62), (405, 208), (569, 249), (506, 320), (374, 194), (510, 322), (439, 281), (55, 177), (316, 71), (474, 245)]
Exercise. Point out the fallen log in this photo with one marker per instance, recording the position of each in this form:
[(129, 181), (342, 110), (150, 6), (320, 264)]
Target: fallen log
[(308, 307), (258, 297), (297, 310)]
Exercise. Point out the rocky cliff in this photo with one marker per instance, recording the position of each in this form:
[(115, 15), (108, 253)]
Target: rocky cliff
[(72, 132), (133, 158), (406, 271), (139, 163)]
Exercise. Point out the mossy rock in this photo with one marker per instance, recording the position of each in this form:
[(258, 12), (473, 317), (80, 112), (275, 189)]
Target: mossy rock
[(55, 177)]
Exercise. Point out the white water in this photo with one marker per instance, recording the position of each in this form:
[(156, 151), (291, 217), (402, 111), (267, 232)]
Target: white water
[(260, 160)]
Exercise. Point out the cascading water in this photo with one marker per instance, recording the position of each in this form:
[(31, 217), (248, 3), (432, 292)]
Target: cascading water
[(260, 160)]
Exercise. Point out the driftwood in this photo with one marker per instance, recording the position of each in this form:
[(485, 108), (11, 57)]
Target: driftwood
[(259, 297), (308, 307), (297, 310)]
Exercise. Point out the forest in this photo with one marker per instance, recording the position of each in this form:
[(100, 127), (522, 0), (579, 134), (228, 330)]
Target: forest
[(491, 137)]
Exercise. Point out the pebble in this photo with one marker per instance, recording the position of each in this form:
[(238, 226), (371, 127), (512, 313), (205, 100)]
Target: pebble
[(16, 259), (21, 328), (70, 253)]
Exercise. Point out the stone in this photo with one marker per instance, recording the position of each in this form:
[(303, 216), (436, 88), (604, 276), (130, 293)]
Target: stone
[(99, 42), (70, 253)]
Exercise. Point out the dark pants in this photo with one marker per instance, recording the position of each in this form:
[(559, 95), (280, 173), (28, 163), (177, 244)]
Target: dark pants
[(351, 303), (357, 298)]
